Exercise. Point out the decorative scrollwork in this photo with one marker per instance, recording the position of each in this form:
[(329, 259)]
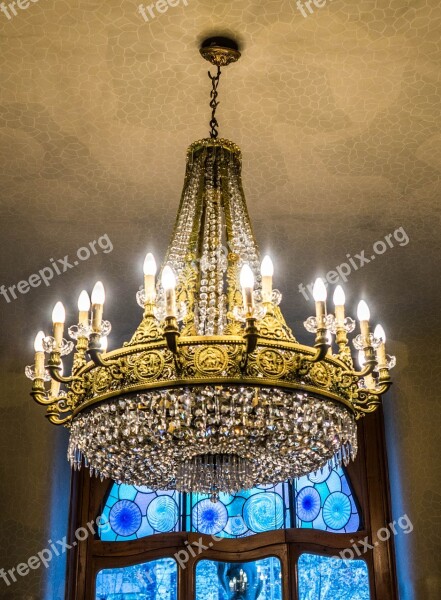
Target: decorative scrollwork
[(148, 331)]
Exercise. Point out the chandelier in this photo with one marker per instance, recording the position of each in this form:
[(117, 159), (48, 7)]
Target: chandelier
[(212, 393)]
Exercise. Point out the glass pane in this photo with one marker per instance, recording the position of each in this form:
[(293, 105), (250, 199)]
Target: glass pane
[(133, 512), (329, 578), (324, 500), (154, 580), (258, 580), (263, 508)]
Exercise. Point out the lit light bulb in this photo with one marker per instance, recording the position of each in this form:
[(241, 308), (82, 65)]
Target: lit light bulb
[(149, 278), (98, 294), (83, 308), (168, 278), (319, 290), (84, 302), (361, 358), (379, 333), (58, 318), (339, 296), (319, 293), (104, 344), (246, 278), (58, 314), (150, 265), (339, 302), (38, 343), (363, 312), (267, 267)]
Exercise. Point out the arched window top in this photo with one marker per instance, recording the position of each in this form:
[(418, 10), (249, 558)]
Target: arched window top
[(323, 500)]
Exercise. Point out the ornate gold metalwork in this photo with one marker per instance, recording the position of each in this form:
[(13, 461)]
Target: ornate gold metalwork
[(217, 360), (220, 51)]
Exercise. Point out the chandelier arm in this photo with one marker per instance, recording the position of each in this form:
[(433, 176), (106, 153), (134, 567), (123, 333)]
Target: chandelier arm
[(55, 420), (320, 354), (367, 370), (382, 389), (95, 352), (98, 359), (42, 398), (54, 371)]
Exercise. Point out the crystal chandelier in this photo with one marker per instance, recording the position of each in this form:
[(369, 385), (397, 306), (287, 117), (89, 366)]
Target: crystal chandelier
[(212, 393)]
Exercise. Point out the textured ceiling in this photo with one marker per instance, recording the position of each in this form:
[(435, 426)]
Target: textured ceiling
[(337, 115)]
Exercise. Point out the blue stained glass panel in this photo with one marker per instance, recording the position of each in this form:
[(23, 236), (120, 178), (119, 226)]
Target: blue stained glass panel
[(331, 578), (153, 580), (263, 508), (132, 512), (258, 580), (324, 500)]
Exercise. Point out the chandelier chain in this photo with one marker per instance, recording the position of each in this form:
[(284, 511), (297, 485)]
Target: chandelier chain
[(213, 102)]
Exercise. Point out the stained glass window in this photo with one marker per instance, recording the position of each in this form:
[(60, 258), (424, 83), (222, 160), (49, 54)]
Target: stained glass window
[(260, 579), (329, 578), (153, 580), (135, 511), (324, 500), (321, 500), (263, 508)]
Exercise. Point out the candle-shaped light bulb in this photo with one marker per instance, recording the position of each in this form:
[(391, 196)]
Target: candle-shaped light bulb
[(380, 334), (150, 264), (339, 303), (98, 293), (267, 272), (247, 285), (38, 343), (363, 315), (98, 298), (168, 281), (339, 296), (83, 308), (58, 319), (319, 290), (39, 355), (58, 314), (319, 293), (149, 277)]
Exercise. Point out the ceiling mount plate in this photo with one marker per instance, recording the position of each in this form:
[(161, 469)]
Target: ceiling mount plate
[(220, 51)]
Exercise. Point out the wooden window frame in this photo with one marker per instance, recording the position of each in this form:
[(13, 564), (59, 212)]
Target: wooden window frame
[(369, 480)]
